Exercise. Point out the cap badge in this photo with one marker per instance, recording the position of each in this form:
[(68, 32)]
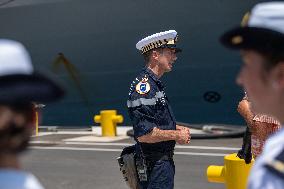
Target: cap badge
[(171, 42), (237, 40)]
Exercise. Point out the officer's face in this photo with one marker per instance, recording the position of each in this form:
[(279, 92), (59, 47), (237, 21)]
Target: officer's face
[(166, 59), (257, 82)]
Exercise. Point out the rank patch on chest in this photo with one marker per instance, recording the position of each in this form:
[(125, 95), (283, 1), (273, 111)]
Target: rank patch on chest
[(143, 87)]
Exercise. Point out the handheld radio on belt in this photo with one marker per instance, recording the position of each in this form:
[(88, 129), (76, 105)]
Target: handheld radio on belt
[(126, 162), (141, 165)]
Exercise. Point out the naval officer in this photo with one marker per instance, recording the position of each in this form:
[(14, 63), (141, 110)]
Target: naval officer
[(154, 124), (260, 40)]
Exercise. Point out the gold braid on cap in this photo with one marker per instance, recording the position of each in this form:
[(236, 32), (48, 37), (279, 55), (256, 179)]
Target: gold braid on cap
[(159, 43), (238, 39), (245, 19)]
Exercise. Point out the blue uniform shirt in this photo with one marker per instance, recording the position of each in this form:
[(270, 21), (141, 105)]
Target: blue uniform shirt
[(268, 172), (148, 107)]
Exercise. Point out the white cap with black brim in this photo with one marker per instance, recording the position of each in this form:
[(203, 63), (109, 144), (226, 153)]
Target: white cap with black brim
[(166, 39), (18, 80), (262, 29)]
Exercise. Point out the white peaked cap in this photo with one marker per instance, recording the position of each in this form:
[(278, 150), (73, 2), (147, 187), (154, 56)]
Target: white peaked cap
[(262, 28), (269, 15), (171, 34), (19, 83), (166, 39), (14, 58)]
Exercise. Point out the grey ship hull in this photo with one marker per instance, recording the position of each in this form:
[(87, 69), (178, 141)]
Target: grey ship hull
[(98, 38)]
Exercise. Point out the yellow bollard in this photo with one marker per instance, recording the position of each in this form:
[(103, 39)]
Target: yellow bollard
[(37, 113), (36, 123), (108, 120), (234, 173)]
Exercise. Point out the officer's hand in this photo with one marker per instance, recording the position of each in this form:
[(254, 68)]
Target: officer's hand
[(178, 127), (183, 136), (187, 130)]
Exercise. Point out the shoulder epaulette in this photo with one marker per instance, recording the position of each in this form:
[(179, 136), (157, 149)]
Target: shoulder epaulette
[(276, 165)]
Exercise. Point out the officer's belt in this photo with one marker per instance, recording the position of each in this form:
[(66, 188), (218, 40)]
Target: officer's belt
[(159, 156)]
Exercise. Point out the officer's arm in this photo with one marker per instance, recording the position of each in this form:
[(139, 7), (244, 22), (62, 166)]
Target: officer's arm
[(158, 135), (142, 113)]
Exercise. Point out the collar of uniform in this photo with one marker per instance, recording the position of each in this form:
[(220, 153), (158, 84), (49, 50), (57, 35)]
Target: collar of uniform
[(151, 74)]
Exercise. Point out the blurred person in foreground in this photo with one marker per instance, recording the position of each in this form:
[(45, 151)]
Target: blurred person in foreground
[(260, 40), (20, 86)]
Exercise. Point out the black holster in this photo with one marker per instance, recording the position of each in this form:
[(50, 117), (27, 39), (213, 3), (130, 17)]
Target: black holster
[(245, 152)]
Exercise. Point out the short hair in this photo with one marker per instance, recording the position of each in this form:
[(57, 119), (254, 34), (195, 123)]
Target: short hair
[(272, 57), (147, 55)]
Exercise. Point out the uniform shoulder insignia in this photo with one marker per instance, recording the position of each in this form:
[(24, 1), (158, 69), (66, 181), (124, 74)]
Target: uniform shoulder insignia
[(276, 165), (143, 86)]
